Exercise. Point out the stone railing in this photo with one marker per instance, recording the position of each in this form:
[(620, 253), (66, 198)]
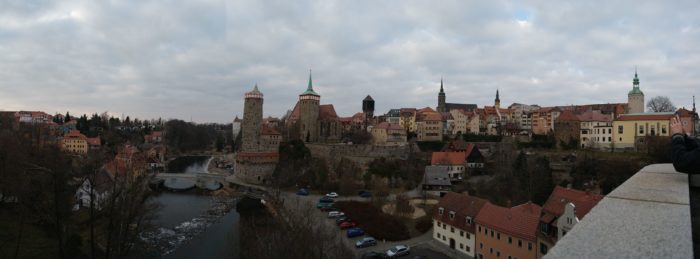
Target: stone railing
[(648, 216)]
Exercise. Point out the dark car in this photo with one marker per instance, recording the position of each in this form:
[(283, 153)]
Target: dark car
[(303, 192), (325, 200), (365, 194), (355, 232), (322, 205), (374, 255)]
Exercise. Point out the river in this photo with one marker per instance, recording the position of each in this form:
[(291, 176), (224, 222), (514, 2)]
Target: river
[(193, 223)]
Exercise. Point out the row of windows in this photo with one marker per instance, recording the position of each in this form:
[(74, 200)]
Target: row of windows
[(497, 235)]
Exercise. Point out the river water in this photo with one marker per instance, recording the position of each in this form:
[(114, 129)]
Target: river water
[(194, 223)]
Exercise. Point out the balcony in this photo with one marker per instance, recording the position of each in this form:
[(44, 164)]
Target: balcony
[(648, 216)]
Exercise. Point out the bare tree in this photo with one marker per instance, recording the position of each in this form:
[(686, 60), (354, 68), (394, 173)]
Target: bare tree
[(660, 104)]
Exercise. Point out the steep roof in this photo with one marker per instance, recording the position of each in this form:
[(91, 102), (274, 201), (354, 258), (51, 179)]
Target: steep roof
[(430, 116), (521, 221), (463, 205), (448, 158), (326, 111), (583, 201), (436, 175), (75, 134), (267, 130), (460, 106)]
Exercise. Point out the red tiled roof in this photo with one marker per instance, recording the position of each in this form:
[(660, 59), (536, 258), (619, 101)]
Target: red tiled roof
[(75, 134), (426, 109), (463, 205), (267, 130), (521, 221), (583, 201), (431, 116), (326, 111), (594, 116), (648, 117), (448, 158), (567, 116), (682, 112)]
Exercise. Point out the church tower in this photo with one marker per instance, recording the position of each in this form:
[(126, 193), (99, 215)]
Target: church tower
[(309, 102), (441, 99), (497, 102), (368, 108), (252, 120), (635, 98)]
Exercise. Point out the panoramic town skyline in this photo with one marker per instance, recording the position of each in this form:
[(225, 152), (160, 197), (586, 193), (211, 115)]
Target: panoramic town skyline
[(196, 60)]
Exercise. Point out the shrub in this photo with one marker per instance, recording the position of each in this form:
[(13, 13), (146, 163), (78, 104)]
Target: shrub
[(423, 224)]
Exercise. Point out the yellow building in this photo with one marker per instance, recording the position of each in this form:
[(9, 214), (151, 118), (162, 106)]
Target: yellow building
[(408, 119), (630, 130), (75, 142)]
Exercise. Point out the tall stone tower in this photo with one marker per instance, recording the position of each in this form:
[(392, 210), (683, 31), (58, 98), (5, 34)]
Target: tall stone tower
[(252, 120), (309, 102), (368, 107), (441, 99), (635, 98), (497, 102)]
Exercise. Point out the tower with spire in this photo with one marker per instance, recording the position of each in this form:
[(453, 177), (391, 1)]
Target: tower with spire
[(441, 107), (497, 102), (252, 120), (309, 102), (635, 97)]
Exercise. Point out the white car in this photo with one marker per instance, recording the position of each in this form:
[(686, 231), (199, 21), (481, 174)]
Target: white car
[(332, 195), (335, 214), (399, 250)]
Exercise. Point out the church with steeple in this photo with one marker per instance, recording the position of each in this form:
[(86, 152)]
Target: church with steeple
[(635, 97), (444, 106), (312, 121)]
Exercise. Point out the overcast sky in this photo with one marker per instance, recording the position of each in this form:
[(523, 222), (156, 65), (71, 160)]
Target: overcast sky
[(181, 59)]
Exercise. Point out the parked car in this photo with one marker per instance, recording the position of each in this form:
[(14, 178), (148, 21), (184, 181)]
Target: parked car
[(365, 194), (303, 192), (365, 242), (355, 232), (374, 255), (335, 214), (399, 250), (322, 205), (341, 219), (326, 200), (332, 195), (347, 224)]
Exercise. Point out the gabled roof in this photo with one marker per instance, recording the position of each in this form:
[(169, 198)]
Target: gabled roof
[(560, 196), (75, 134), (521, 221), (460, 106), (448, 158), (326, 111), (430, 116), (463, 205)]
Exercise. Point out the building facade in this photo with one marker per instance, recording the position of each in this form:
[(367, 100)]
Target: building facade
[(454, 222), (631, 130), (507, 232), (75, 142)]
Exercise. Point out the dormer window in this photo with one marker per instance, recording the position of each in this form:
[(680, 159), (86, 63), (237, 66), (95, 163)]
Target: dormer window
[(441, 210), (469, 220), (452, 215)]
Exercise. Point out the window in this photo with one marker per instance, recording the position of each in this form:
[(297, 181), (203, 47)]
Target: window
[(468, 249), (469, 220), (479, 229), (461, 246), (498, 254), (510, 240), (641, 129), (498, 236), (452, 215), (529, 246), (444, 226), (452, 229), (492, 233), (441, 210), (543, 248), (609, 139), (481, 245), (438, 223), (663, 129), (520, 243), (619, 129), (461, 233), (491, 250)]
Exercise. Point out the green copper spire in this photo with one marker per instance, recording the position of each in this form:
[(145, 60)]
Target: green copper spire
[(310, 89), (635, 84)]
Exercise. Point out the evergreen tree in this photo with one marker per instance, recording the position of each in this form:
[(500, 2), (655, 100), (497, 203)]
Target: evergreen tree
[(67, 118)]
